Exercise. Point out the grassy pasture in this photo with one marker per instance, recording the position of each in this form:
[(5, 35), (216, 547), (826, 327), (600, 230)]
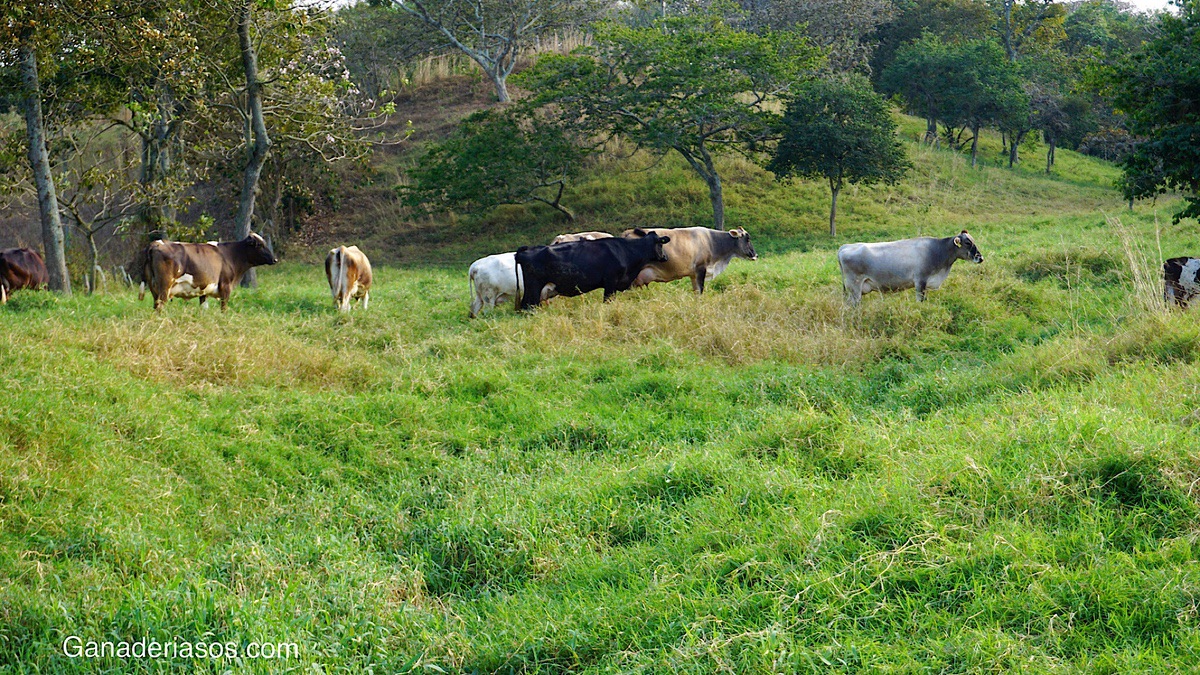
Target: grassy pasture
[(756, 480)]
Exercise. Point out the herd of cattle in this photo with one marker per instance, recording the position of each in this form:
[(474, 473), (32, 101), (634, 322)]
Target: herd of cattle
[(572, 264)]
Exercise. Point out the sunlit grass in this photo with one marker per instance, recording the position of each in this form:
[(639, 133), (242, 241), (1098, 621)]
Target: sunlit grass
[(755, 480)]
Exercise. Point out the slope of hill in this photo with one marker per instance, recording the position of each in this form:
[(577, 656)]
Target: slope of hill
[(755, 480)]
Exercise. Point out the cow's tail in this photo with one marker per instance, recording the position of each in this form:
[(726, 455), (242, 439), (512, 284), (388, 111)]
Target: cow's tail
[(341, 281), (520, 295)]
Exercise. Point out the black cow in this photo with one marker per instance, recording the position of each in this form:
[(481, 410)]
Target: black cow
[(577, 267), (1180, 284)]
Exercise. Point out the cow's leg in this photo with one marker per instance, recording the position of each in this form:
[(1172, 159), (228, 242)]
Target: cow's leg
[(366, 298), (609, 291), (3, 294), (698, 279), (919, 286), (204, 302), (223, 291), (854, 292)]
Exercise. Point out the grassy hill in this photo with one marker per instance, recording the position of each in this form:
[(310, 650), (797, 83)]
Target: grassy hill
[(756, 480)]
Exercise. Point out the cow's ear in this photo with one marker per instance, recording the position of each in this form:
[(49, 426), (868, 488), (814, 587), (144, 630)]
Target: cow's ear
[(964, 231), (639, 232), (739, 232), (664, 239), (958, 242)]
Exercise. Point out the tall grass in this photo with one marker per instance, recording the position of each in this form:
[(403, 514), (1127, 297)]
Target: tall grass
[(758, 479)]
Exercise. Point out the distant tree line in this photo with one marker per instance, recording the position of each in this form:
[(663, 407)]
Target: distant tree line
[(702, 77)]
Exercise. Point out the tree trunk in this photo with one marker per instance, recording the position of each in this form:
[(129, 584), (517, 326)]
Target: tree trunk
[(974, 146), (257, 152), (1050, 154), (717, 198), (708, 171), (1012, 148), (931, 135), (53, 239), (94, 270), (500, 80), (835, 186)]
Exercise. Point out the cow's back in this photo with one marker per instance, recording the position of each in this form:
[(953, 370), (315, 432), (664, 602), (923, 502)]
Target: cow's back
[(22, 268)]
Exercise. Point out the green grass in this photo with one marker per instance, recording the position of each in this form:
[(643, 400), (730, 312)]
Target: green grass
[(756, 480)]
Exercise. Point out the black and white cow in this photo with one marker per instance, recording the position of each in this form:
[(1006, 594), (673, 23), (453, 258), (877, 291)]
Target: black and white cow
[(578, 267), (922, 264), (1180, 284)]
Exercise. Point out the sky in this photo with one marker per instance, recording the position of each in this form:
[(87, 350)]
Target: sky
[(1148, 4)]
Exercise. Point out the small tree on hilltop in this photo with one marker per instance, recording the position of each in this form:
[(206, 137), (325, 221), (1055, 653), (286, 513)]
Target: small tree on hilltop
[(842, 131), (507, 156)]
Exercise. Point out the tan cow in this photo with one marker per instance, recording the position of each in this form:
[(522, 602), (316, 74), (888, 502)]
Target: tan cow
[(700, 253), (349, 275), (580, 236)]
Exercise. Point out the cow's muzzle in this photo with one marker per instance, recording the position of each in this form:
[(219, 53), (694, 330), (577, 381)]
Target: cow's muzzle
[(978, 258)]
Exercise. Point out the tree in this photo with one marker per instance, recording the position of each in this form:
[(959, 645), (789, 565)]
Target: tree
[(494, 33), (33, 35), (844, 28), (1025, 26), (950, 20), (986, 91), (256, 128), (689, 84), (923, 74), (840, 130), (379, 41), (498, 157), (1157, 88)]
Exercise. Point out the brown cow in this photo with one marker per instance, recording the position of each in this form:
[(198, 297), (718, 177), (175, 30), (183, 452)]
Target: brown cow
[(697, 252), (21, 268), (182, 270), (580, 236), (349, 274)]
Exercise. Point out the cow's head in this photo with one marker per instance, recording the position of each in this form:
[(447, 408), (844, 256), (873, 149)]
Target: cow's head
[(967, 249), (744, 248), (660, 255), (260, 253)]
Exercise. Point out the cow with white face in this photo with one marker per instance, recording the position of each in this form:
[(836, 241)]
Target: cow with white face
[(921, 264)]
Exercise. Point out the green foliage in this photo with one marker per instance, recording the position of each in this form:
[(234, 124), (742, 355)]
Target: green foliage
[(504, 156), (842, 131), (950, 20), (1155, 87), (691, 84)]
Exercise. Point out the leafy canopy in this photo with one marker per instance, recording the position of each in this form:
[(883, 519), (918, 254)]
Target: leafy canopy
[(500, 156), (691, 84), (1159, 90)]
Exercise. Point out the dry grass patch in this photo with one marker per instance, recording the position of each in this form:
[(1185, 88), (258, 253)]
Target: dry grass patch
[(740, 326), (219, 352)]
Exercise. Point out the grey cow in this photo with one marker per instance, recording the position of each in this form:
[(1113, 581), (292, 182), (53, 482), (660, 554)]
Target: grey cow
[(922, 263)]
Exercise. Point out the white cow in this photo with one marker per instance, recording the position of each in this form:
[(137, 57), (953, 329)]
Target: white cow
[(920, 264), (493, 280), (496, 279)]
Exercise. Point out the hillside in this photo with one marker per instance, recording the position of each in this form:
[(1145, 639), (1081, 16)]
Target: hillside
[(755, 480)]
